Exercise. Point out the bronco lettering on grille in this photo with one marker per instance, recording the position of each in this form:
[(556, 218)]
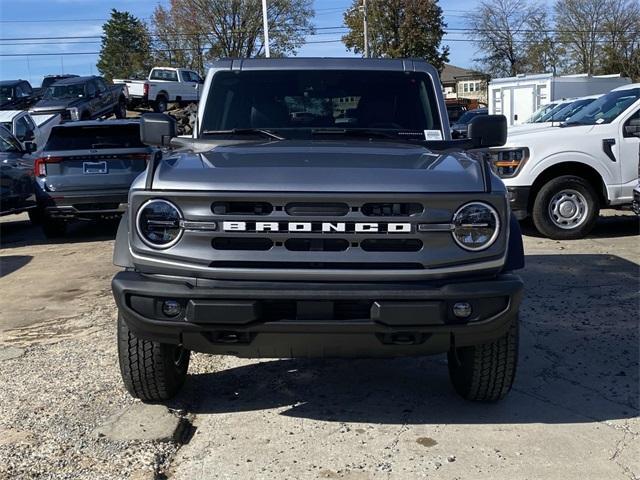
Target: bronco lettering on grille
[(317, 227)]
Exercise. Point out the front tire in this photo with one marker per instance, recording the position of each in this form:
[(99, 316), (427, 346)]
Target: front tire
[(565, 208), (485, 372), (120, 110), (151, 371), (160, 105)]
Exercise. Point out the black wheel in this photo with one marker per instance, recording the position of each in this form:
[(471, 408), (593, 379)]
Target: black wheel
[(151, 371), (485, 372), (54, 228), (35, 215), (565, 208), (120, 110), (160, 105)]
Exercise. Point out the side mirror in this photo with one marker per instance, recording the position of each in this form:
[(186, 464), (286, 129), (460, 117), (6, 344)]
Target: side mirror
[(488, 131), (157, 129), (30, 147)]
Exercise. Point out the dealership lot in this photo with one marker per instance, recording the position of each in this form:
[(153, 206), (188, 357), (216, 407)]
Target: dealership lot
[(573, 413)]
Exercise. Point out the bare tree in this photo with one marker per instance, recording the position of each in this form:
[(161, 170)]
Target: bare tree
[(542, 50), (500, 29), (233, 28), (580, 25), (621, 39)]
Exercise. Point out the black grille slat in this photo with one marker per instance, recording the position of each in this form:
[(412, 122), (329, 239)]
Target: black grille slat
[(306, 209), (242, 243), (316, 244), (318, 265), (391, 209), (391, 245), (242, 208)]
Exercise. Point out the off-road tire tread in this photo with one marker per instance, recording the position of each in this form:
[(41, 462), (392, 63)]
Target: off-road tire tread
[(147, 367), (486, 372)]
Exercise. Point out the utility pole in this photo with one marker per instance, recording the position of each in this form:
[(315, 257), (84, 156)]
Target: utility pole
[(363, 9), (265, 24)]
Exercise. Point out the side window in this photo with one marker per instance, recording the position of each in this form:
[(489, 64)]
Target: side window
[(30, 123), (91, 89), (21, 128), (102, 87), (632, 126), (26, 89), (186, 76), (19, 92)]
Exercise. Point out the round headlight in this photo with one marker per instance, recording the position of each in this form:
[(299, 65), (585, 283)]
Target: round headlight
[(158, 223), (475, 226)]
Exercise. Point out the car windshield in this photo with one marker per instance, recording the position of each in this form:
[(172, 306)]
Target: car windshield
[(470, 115), (296, 101), (65, 91), (6, 93), (606, 108), (540, 112), (8, 143), (564, 111), (550, 113), (94, 137)]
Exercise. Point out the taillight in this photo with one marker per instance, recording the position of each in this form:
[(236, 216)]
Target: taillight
[(40, 165), (145, 89)]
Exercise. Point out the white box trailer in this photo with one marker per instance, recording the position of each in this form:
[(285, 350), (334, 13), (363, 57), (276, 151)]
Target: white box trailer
[(518, 97)]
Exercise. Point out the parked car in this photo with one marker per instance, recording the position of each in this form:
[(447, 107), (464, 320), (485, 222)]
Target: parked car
[(165, 85), (556, 115), (29, 128), (459, 129), (561, 176), (17, 192), (17, 95), (83, 98), (265, 238), (85, 170), (49, 80)]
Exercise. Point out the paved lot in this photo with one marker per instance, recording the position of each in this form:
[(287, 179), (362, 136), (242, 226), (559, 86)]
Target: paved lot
[(573, 414)]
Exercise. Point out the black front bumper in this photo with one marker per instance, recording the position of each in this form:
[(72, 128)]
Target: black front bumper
[(283, 319), (519, 201), (85, 205)]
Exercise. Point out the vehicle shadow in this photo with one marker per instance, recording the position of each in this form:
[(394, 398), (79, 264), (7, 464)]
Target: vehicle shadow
[(21, 233), (12, 263), (621, 224), (578, 363)]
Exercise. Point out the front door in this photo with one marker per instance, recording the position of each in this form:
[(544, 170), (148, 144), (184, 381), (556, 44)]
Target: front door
[(628, 152)]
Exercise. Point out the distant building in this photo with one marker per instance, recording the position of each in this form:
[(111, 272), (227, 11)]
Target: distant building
[(460, 83)]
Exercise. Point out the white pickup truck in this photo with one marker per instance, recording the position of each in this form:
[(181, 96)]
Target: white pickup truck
[(27, 127), (562, 175), (165, 85)]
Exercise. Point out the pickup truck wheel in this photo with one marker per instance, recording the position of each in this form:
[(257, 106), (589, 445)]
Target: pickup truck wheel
[(35, 215), (120, 110), (485, 372), (160, 105), (151, 371), (53, 228), (565, 208)]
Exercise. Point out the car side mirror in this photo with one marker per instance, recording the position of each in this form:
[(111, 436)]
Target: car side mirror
[(157, 129), (30, 147), (488, 131)]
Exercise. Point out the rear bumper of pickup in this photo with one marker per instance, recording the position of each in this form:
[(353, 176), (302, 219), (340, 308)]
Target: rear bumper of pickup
[(285, 319), (84, 205)]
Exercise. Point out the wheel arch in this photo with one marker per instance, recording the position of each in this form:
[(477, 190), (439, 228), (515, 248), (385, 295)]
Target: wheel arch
[(574, 168)]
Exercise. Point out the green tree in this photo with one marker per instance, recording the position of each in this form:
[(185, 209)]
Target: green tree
[(621, 39), (398, 28), (126, 47)]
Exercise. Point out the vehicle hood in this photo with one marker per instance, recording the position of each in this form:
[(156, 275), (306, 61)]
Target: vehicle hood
[(321, 166), (55, 104), (547, 135)]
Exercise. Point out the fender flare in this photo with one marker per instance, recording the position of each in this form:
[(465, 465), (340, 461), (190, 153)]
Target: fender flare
[(515, 248), (121, 254)]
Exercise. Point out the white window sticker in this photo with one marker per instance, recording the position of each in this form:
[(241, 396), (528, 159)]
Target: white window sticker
[(432, 135)]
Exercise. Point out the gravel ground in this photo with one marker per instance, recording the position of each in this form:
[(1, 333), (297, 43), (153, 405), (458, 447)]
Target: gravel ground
[(573, 412)]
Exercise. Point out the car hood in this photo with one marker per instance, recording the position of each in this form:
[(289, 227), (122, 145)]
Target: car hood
[(321, 166), (55, 104), (547, 135)]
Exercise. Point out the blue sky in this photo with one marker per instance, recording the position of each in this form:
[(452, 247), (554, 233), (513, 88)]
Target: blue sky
[(29, 18)]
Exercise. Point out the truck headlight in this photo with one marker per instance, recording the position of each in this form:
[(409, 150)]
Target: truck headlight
[(73, 113), (475, 226), (158, 223), (508, 162)]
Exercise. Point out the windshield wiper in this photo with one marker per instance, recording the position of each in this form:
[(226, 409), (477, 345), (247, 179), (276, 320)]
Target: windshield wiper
[(244, 131), (354, 132)]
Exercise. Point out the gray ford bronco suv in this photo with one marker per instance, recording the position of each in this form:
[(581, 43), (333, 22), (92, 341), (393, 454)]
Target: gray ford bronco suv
[(321, 209)]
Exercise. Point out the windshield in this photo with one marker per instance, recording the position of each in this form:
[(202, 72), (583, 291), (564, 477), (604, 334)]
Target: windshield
[(470, 115), (307, 100), (540, 112), (6, 93), (606, 108), (94, 137), (65, 91), (564, 111), (8, 143)]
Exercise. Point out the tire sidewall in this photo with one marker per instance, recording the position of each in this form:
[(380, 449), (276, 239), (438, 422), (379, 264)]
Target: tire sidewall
[(540, 213), (161, 105)]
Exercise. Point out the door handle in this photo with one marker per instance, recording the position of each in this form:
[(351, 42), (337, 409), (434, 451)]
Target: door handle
[(607, 143)]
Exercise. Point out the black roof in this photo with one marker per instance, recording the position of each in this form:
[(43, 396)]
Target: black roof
[(75, 80), (10, 83)]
